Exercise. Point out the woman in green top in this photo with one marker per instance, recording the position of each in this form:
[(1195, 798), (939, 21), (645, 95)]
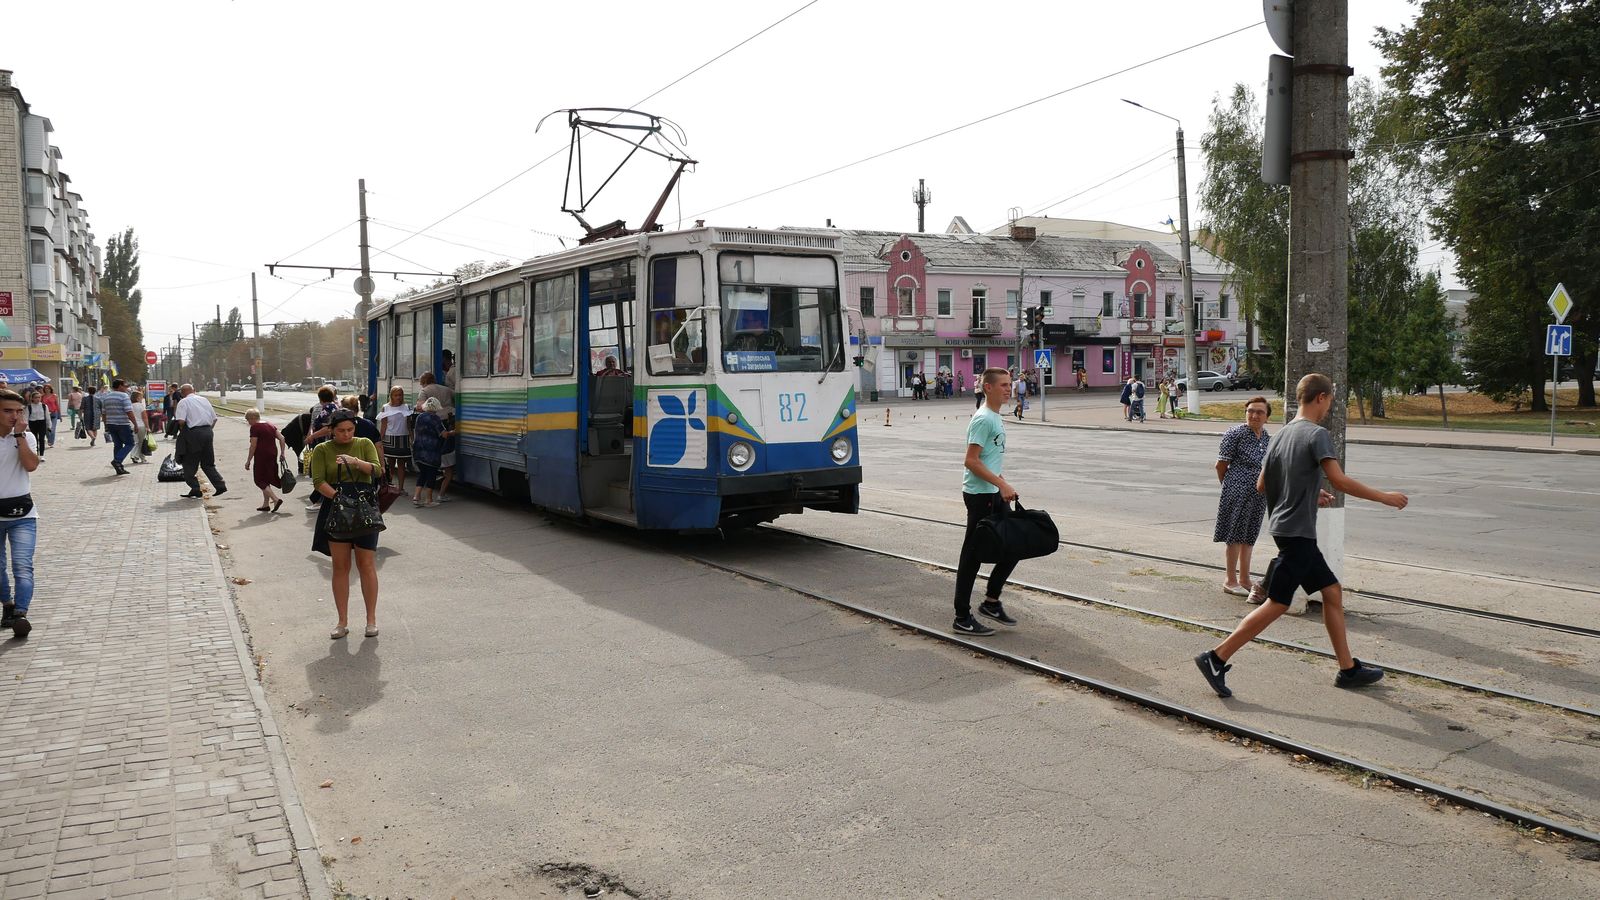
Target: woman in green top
[(346, 457)]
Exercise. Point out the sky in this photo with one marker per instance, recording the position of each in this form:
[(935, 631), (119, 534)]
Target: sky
[(231, 135)]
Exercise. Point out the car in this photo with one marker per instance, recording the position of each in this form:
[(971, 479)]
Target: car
[(294, 386), (1247, 381), (1208, 381)]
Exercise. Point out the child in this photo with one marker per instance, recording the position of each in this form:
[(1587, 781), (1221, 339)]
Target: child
[(1291, 477)]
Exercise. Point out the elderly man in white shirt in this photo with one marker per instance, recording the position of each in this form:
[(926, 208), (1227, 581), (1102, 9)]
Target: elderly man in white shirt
[(195, 418)]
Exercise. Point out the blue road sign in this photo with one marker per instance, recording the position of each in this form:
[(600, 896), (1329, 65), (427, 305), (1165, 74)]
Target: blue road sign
[(1045, 359), (1558, 340)]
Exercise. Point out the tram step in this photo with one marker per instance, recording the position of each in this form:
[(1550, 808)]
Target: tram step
[(618, 496)]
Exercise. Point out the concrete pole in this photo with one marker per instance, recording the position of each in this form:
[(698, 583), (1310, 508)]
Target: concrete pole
[(222, 383), (364, 288), (1188, 284), (1319, 225), (255, 351)]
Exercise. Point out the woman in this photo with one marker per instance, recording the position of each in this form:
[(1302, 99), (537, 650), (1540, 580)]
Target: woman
[(345, 457), (53, 403), (38, 419), (365, 427), (89, 415), (321, 428), (428, 446), (394, 422), (266, 455), (1241, 507)]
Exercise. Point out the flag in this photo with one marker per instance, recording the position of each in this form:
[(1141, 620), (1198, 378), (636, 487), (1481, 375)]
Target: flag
[(1169, 224)]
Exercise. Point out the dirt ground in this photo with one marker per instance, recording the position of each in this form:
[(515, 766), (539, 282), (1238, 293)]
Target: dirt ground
[(1467, 411)]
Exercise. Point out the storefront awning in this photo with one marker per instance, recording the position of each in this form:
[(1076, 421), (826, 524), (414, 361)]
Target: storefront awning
[(21, 376)]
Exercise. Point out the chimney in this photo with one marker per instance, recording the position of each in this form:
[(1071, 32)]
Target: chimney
[(1024, 233), (5, 79)]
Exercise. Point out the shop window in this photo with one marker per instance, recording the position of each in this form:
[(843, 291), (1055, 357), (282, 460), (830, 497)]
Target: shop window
[(1108, 360)]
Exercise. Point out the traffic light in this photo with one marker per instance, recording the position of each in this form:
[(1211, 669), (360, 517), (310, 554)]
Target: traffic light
[(1031, 317)]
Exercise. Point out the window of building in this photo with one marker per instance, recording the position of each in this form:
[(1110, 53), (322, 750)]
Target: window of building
[(1108, 360), (1044, 301), (1107, 305), (1222, 306), (1080, 304), (1011, 304), (908, 300), (866, 302), (1199, 312), (36, 253), (1138, 305), (553, 300), (35, 190), (475, 329), (945, 306), (1172, 302), (424, 341), (507, 331), (404, 346), (980, 304)]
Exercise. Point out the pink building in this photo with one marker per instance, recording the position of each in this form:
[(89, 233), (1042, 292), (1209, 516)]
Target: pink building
[(949, 303)]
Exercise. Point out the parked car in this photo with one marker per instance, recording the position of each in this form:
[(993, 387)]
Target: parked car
[(1247, 381), (1208, 381)]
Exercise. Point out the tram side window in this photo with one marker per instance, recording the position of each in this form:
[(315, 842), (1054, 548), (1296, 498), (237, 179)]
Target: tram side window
[(508, 330), (381, 349), (475, 318), (553, 303), (677, 343), (447, 340), (403, 346), (424, 332)]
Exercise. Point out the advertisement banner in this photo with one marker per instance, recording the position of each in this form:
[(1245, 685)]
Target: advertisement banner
[(5, 303), (43, 334)]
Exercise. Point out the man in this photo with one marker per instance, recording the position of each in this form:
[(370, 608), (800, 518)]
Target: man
[(1136, 411), (1291, 477), (447, 404), (116, 413), (449, 366), (19, 519), (74, 400), (195, 419), (985, 492)]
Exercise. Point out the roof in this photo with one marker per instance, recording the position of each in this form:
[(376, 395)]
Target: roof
[(865, 249), (1205, 262)]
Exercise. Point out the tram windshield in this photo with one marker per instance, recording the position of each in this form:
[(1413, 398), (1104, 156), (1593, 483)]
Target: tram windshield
[(780, 314)]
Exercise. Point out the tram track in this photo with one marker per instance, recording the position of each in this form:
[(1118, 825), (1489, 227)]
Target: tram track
[(1104, 603), (1513, 814), (1509, 618)]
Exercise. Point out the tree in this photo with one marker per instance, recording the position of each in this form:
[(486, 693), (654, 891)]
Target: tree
[(127, 348), (1508, 94), (121, 272), (464, 272), (1429, 357)]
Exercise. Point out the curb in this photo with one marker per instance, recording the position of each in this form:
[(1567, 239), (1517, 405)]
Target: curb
[(306, 853)]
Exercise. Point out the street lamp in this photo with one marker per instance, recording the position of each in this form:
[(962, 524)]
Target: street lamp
[(1188, 284)]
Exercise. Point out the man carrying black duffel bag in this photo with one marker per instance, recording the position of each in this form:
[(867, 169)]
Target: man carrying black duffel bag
[(986, 494)]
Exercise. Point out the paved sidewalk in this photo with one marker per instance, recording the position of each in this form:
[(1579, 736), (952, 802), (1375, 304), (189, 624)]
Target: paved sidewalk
[(139, 756)]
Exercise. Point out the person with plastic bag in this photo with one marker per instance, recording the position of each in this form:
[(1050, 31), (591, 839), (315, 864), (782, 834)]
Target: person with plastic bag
[(985, 492)]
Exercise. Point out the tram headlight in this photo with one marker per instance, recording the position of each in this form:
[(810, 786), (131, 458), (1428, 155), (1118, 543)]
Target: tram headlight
[(840, 450), (741, 455)]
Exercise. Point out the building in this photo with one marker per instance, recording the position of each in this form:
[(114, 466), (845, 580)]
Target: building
[(932, 303), (50, 317)]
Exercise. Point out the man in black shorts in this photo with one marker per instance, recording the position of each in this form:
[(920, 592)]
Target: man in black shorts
[(1291, 477)]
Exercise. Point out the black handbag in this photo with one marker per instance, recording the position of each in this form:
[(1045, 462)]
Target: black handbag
[(353, 512), (1017, 533), (286, 479)]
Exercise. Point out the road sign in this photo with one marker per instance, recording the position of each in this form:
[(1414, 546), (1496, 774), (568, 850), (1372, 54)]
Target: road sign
[(1558, 340), (1560, 302), (150, 357), (1044, 359), (364, 285)]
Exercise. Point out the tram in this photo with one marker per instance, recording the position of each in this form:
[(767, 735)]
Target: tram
[(686, 380)]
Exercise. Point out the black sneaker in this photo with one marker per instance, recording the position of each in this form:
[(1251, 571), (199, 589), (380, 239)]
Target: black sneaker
[(1358, 675), (192, 495), (991, 609), (6, 613), (971, 626), (20, 626), (219, 492), (1215, 671)]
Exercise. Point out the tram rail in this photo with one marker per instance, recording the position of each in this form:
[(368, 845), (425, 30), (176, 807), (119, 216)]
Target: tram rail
[(1515, 815), (1526, 621)]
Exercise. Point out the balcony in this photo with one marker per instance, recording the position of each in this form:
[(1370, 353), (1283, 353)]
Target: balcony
[(983, 325), (907, 324), (1084, 324)]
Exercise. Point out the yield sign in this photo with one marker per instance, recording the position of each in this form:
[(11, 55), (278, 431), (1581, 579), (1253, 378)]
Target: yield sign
[(1560, 302)]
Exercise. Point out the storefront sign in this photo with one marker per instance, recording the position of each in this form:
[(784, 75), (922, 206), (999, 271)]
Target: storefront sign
[(1145, 340), (5, 303), (49, 352), (1140, 326), (1172, 342), (15, 354), (928, 340), (43, 334)]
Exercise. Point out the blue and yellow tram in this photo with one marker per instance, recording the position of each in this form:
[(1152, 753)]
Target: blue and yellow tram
[(682, 380)]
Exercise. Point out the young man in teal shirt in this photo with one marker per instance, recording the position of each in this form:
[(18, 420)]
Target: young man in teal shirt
[(985, 493)]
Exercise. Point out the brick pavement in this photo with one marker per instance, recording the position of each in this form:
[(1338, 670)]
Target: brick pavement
[(137, 755)]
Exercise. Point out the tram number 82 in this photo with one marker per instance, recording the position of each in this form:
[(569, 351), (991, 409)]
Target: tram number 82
[(792, 407)]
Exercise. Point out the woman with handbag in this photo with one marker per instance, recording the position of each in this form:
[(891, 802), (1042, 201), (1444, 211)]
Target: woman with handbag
[(38, 419), (266, 457), (344, 470)]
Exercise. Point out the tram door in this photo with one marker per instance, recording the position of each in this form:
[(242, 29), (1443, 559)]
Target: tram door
[(607, 365)]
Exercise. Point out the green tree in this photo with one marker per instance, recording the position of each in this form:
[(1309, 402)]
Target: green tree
[(121, 271), (1508, 93), (1429, 356), (127, 349)]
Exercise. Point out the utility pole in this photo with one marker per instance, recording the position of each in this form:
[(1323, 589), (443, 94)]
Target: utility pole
[(255, 351), (921, 197), (1319, 226), (222, 382), (194, 352), (1186, 306), (364, 286)]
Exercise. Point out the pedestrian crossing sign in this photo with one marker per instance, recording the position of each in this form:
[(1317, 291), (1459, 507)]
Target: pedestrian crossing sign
[(1044, 359)]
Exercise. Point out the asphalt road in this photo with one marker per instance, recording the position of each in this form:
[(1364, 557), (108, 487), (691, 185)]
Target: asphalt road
[(1530, 516)]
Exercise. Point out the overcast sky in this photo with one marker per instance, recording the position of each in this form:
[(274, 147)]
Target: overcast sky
[(231, 134)]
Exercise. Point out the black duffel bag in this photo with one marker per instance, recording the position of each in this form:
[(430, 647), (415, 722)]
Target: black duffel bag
[(1017, 533)]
